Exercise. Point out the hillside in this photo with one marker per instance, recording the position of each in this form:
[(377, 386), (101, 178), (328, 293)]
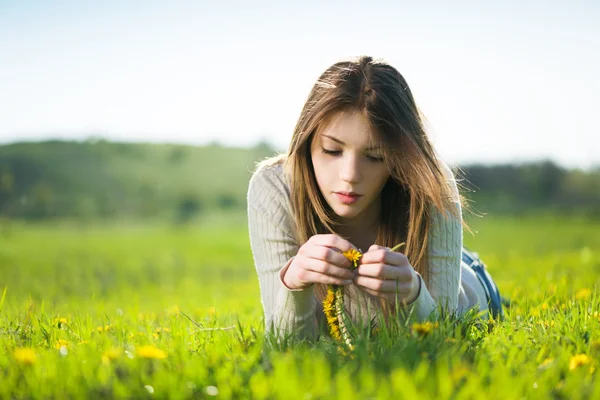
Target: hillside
[(107, 179)]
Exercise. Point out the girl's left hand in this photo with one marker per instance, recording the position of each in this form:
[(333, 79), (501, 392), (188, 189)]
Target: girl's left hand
[(387, 274)]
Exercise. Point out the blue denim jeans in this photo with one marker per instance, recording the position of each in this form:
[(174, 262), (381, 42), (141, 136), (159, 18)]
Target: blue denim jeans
[(491, 290)]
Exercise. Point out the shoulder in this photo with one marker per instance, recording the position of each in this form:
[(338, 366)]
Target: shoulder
[(269, 184), (450, 180), (446, 170), (269, 196)]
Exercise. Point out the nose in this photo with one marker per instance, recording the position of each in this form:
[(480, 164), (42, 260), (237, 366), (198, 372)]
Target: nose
[(350, 169)]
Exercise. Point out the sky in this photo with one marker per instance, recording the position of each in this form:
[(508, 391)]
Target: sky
[(497, 81)]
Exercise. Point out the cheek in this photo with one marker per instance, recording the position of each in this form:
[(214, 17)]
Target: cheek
[(320, 170), (378, 178)]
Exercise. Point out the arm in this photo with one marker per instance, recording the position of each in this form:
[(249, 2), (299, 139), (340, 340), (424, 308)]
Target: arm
[(444, 253), (273, 246)]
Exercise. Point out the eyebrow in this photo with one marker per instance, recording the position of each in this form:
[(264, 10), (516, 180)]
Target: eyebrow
[(342, 143)]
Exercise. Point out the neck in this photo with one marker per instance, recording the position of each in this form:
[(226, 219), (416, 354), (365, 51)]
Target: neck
[(362, 229)]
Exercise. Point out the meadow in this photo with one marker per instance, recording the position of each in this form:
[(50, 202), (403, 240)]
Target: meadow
[(131, 310)]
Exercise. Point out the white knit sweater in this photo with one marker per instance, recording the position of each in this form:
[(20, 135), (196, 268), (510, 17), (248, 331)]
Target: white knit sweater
[(452, 285)]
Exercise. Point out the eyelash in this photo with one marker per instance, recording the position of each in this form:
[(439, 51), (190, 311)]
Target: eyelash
[(337, 153)]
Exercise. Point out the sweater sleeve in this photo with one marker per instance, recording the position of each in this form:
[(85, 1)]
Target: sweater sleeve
[(444, 253), (274, 245)]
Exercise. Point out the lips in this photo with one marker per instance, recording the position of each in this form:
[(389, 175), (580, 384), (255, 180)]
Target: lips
[(348, 197)]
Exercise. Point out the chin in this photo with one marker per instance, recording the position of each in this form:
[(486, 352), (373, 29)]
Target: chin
[(346, 212)]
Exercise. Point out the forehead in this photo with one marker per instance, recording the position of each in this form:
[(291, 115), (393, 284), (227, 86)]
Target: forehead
[(351, 127)]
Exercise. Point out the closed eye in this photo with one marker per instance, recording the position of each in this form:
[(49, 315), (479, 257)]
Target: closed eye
[(338, 152), (332, 152)]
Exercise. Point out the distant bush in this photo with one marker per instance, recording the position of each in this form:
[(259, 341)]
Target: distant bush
[(188, 207)]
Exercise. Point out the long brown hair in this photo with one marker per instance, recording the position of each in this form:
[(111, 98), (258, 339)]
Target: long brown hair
[(417, 183)]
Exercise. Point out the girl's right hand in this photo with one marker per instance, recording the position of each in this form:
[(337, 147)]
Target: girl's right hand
[(320, 260)]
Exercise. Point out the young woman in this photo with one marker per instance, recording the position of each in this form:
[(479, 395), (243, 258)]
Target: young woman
[(361, 173)]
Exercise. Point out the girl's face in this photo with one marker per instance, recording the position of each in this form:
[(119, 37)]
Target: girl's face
[(349, 166)]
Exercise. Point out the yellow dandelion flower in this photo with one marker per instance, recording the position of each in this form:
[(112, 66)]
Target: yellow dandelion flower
[(353, 256), (61, 343), (59, 322), (424, 328), (111, 355), (150, 352), (544, 306), (155, 335), (548, 324), (173, 311), (546, 363), (212, 311), (578, 360), (583, 294), (25, 355)]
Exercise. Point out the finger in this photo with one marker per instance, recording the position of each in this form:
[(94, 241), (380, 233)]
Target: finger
[(376, 247), (328, 255), (325, 268), (384, 256), (333, 241), (382, 286), (385, 271), (315, 277)]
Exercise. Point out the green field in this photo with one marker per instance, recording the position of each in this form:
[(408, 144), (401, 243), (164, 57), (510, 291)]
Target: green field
[(131, 310)]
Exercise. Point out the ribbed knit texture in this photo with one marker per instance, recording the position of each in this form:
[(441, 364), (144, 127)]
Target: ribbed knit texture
[(452, 287)]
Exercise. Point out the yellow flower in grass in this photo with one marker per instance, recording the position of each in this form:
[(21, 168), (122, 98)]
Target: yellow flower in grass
[(59, 322), (546, 363), (111, 355), (61, 343), (105, 328), (424, 328), (583, 294), (578, 360), (173, 311), (151, 352), (25, 355)]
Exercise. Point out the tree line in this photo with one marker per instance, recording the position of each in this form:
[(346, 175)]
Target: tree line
[(103, 180)]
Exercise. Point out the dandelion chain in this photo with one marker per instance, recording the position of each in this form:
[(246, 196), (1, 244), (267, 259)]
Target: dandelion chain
[(333, 304)]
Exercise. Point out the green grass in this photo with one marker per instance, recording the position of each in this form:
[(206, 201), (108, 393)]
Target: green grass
[(121, 287)]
